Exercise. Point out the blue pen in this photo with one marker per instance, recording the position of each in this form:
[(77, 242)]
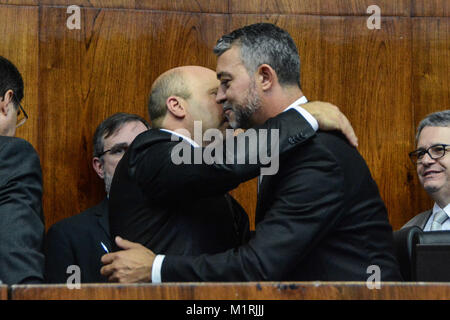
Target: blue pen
[(104, 247)]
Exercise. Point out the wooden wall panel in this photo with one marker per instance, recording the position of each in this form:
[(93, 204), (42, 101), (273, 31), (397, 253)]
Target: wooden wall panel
[(3, 292), (211, 6), (363, 72), (20, 45), (19, 2), (431, 8), (321, 7), (236, 291), (107, 66)]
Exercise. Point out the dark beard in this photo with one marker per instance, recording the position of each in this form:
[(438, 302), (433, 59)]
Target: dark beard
[(244, 112)]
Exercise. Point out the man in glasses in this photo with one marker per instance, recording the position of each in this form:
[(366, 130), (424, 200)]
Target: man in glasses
[(433, 169), (21, 216), (81, 240)]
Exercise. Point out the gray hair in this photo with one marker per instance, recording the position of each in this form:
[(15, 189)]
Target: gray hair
[(436, 119), (265, 43)]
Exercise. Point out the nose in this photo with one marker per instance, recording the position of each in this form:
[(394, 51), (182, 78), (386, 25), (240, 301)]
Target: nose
[(220, 97), (427, 160)]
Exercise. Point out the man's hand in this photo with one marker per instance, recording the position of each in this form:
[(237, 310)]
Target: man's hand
[(133, 264), (330, 118)]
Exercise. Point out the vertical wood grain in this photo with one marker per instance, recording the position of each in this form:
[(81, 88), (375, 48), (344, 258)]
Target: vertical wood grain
[(321, 7), (106, 67), (430, 8), (211, 6)]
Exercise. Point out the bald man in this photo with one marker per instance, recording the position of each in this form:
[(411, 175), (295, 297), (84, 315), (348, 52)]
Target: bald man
[(202, 225)]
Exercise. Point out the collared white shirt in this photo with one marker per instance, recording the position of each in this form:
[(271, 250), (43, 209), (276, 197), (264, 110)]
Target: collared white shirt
[(436, 208), (157, 263), (192, 142)]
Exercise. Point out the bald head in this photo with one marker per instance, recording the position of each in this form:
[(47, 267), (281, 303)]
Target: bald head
[(174, 82)]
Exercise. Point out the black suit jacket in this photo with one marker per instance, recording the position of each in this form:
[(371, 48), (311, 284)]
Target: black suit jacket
[(77, 241), (176, 224), (319, 218), (21, 216)]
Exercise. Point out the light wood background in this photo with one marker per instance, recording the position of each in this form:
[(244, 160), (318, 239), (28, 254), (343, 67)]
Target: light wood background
[(384, 80)]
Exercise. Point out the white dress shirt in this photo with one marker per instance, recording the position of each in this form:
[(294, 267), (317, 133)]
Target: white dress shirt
[(157, 263), (436, 208)]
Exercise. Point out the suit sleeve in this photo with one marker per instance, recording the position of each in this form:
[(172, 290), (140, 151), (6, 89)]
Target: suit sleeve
[(58, 255), (21, 217), (160, 177), (307, 204), (241, 220)]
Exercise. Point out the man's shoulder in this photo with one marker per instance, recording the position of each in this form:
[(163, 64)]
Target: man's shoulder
[(152, 140), (419, 220), (82, 220), (13, 144)]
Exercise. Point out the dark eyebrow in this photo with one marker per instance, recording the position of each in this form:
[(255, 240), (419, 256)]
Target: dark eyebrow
[(223, 73), (119, 145)]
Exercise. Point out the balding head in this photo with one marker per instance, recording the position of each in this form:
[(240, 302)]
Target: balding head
[(189, 94), (170, 83)]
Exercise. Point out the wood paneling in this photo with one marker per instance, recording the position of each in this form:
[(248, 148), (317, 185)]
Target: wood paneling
[(237, 291), (431, 8), (362, 71), (20, 45), (3, 292), (431, 56), (107, 66), (211, 6), (321, 7)]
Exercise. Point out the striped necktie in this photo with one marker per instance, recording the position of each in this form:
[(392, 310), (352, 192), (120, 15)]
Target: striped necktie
[(438, 220)]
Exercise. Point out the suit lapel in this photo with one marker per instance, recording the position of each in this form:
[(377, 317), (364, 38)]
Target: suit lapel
[(101, 213), (263, 186), (425, 218)]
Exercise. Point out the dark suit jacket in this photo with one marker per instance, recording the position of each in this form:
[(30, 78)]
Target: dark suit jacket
[(191, 226), (319, 218), (420, 220), (77, 241), (21, 216)]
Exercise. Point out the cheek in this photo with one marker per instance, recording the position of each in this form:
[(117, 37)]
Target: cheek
[(110, 167)]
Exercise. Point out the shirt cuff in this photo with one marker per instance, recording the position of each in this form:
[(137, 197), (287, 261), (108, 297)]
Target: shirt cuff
[(156, 268), (308, 117)]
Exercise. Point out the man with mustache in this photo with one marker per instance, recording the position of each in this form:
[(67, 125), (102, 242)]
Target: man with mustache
[(433, 170)]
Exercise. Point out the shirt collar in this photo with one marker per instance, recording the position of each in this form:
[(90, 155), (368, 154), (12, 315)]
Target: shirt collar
[(299, 101), (446, 209), (192, 142)]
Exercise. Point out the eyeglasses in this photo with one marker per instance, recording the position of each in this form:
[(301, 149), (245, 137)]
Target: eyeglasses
[(22, 116), (116, 150), (435, 152)]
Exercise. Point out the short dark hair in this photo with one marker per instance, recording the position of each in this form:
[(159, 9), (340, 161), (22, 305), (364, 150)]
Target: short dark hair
[(10, 79), (436, 119), (265, 43), (111, 125)]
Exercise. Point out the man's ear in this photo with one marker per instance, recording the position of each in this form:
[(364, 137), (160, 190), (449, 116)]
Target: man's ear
[(98, 165), (5, 102), (266, 76), (176, 106)]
